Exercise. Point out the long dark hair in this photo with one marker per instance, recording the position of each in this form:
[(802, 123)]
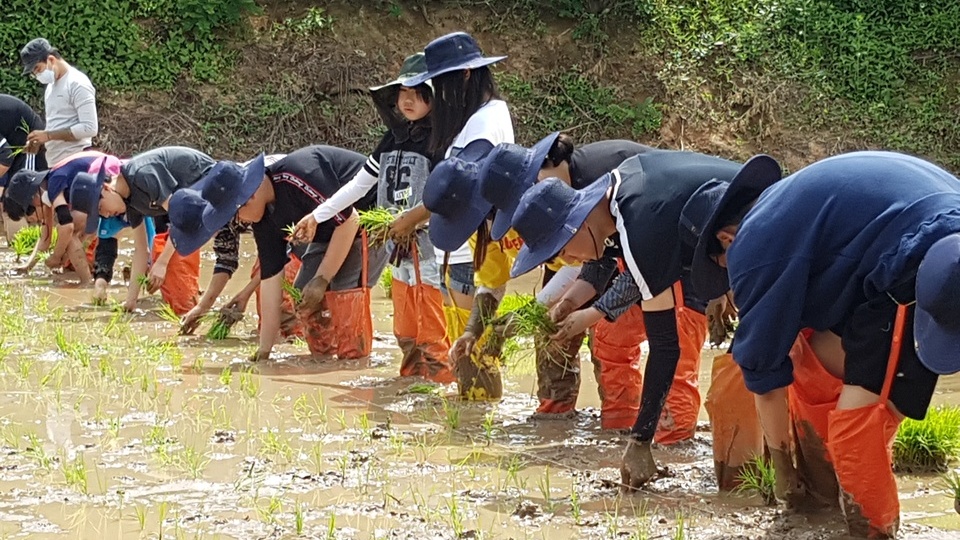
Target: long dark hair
[(456, 99), (385, 100)]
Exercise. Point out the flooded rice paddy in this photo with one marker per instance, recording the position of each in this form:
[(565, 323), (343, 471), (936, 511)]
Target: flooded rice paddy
[(111, 426)]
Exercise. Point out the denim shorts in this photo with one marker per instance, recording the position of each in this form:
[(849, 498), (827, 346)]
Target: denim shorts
[(460, 279)]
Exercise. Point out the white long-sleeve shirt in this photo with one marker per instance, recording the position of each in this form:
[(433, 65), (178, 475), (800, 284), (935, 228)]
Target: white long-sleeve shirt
[(70, 103)]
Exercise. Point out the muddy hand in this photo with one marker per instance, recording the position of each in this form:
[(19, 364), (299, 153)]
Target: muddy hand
[(158, 273), (191, 320), (313, 295), (259, 356), (403, 227), (305, 230), (561, 310), (637, 466), (463, 346)]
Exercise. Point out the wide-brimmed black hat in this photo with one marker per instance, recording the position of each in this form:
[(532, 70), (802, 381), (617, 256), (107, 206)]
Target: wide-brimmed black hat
[(698, 220)]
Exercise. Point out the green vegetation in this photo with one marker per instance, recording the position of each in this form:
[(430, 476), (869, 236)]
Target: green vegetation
[(376, 222), (577, 103), (758, 477), (386, 282), (151, 43), (25, 240), (928, 444)]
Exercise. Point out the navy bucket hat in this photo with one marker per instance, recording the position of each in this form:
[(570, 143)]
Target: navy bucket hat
[(508, 171), (548, 216), (20, 191), (451, 52), (198, 212), (936, 325), (452, 195), (699, 219), (85, 193)]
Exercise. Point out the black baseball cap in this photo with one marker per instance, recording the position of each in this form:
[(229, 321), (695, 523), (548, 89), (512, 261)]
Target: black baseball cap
[(35, 52)]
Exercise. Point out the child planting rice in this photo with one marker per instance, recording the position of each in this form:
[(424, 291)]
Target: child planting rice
[(336, 259)]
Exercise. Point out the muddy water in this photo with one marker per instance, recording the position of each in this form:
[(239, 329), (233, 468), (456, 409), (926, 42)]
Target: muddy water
[(113, 427)]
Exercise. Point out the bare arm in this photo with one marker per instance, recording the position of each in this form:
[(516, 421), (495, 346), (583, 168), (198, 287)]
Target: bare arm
[(270, 298), (141, 253)]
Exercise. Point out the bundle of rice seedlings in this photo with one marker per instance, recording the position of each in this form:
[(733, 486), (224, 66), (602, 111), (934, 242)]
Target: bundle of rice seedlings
[(386, 281), (223, 322), (144, 281), (294, 292), (533, 320), (25, 240), (532, 328), (758, 477), (376, 222), (513, 302), (166, 313), (929, 444)]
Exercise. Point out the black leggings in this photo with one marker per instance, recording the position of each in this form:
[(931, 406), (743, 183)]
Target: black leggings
[(658, 375)]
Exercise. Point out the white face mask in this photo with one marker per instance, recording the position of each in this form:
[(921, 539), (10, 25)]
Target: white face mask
[(46, 76)]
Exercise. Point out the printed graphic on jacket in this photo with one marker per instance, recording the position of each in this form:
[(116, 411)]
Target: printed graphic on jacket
[(402, 177)]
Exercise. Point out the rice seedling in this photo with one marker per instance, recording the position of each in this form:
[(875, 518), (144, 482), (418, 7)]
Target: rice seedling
[(386, 281), (513, 302), (576, 510), (930, 444), (249, 383), (36, 452), (759, 477), (342, 419), (298, 518), (456, 517), (292, 291), (376, 222), (332, 527), (74, 472), (544, 485), (952, 482), (144, 281), (363, 422), (290, 229), (488, 427), (268, 513), (192, 461), (167, 313), (679, 532), (343, 463), (226, 375), (316, 457), (273, 444), (422, 388), (451, 414), (141, 514), (26, 239)]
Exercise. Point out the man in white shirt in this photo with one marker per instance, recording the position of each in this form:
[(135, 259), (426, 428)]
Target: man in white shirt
[(69, 102)]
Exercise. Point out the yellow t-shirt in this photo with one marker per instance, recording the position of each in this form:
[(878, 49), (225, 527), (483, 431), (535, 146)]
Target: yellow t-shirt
[(495, 270)]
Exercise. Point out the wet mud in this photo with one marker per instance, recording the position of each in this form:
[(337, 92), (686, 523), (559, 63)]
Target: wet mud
[(112, 426)]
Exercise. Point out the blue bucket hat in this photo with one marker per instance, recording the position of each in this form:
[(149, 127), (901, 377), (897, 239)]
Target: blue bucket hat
[(85, 193), (548, 216), (507, 173), (199, 211), (936, 324), (452, 195), (699, 219), (451, 52)]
